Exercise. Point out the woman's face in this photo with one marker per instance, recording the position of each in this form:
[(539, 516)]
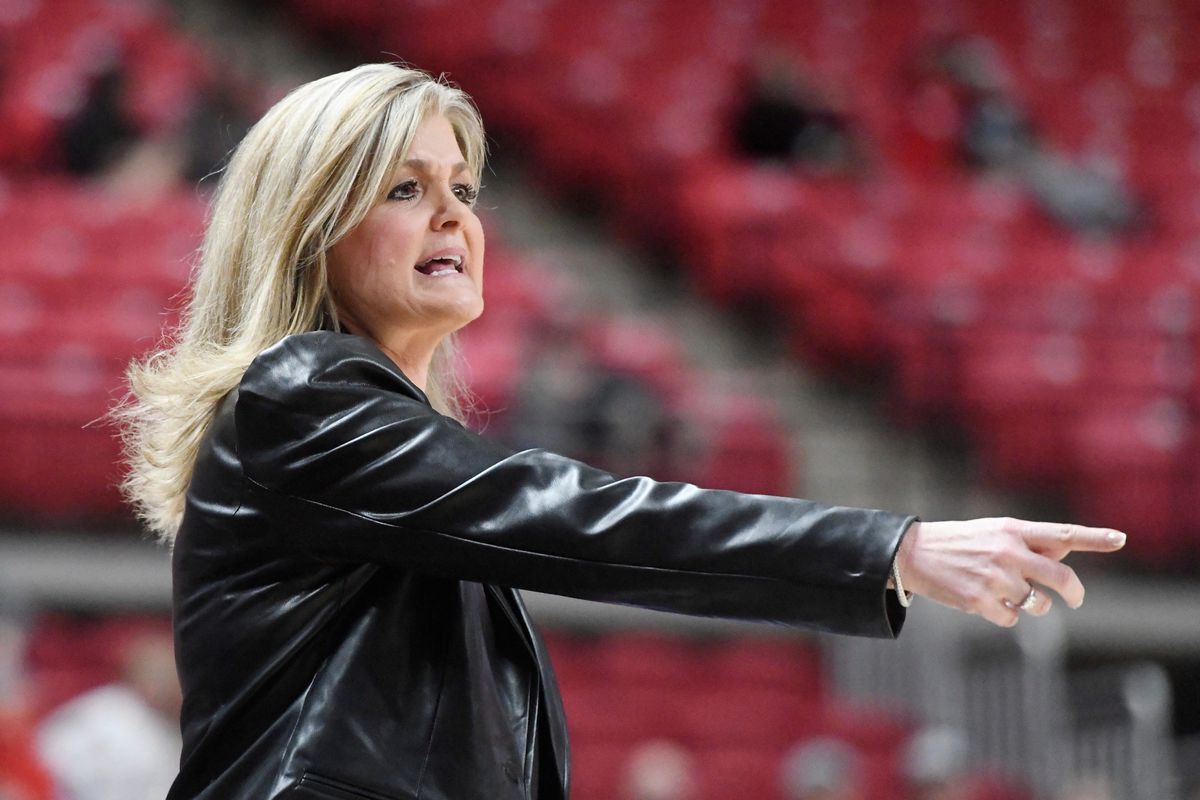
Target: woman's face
[(412, 271)]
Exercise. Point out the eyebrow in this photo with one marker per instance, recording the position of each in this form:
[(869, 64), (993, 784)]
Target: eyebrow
[(422, 164)]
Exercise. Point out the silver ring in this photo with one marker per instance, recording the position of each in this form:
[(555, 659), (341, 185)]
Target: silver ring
[(1030, 600)]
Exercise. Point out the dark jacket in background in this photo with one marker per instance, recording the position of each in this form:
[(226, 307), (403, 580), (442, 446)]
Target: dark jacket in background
[(346, 619)]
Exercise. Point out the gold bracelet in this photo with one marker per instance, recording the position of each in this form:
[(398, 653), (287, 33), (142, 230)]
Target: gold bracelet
[(904, 597)]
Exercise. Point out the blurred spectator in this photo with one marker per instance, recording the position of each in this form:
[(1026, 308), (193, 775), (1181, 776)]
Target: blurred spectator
[(1080, 197), (217, 123), (120, 741), (546, 409), (1090, 788), (101, 140), (13, 639), (623, 423), (190, 151), (996, 134), (100, 132), (786, 118), (660, 770), (822, 769), (570, 403), (21, 774), (936, 765), (993, 130)]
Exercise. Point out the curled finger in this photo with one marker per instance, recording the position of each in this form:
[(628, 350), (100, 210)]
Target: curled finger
[(1001, 613), (1034, 602), (1054, 575)]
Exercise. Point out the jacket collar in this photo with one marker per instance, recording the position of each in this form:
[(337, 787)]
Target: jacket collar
[(367, 347)]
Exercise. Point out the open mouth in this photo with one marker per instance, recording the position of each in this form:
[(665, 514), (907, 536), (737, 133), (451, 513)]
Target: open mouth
[(442, 265)]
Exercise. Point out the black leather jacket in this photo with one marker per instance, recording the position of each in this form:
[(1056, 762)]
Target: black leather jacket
[(345, 617)]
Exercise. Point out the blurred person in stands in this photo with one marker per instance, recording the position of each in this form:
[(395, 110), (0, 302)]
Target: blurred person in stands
[(346, 553), (99, 133), (660, 770), (786, 118), (1086, 788), (995, 134), (822, 769), (572, 404), (935, 764), (102, 141), (937, 767), (22, 775), (119, 741)]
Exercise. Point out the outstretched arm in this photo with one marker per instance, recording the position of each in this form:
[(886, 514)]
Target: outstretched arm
[(340, 450), (989, 566)]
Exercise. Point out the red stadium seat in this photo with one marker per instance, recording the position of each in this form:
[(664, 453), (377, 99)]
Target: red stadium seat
[(607, 713), (783, 664), (727, 772), (1134, 463), (737, 715), (598, 769), (647, 660)]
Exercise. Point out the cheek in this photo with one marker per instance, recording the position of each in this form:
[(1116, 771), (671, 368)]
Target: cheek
[(391, 244), (478, 247), (346, 272), (368, 264)]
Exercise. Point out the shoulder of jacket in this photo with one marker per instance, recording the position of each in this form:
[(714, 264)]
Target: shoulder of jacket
[(304, 361)]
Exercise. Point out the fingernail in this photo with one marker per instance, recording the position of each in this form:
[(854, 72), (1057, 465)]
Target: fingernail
[(1116, 538)]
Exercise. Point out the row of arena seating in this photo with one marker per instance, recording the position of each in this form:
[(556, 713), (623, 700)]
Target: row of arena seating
[(51, 51), (90, 284), (1069, 362), (87, 286), (89, 279), (737, 705)]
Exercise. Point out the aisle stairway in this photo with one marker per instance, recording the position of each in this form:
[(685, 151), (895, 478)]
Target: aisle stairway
[(846, 450)]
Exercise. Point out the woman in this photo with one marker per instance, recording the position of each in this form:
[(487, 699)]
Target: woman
[(345, 552)]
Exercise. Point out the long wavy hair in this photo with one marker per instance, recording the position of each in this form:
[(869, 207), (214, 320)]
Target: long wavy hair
[(304, 176)]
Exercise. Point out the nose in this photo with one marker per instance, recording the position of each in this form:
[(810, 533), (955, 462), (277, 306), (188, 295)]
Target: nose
[(448, 213)]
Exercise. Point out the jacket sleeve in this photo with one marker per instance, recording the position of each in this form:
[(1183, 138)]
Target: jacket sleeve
[(341, 446)]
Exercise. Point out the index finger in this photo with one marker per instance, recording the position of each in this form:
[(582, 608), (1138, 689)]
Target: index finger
[(1058, 536)]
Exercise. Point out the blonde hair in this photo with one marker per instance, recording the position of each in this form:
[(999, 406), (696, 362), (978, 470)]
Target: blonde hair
[(305, 175)]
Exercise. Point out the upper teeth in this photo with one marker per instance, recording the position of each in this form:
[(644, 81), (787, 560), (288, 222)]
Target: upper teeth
[(455, 260)]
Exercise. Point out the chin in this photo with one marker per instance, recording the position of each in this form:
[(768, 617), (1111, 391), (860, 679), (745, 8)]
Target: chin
[(473, 310), (465, 314)]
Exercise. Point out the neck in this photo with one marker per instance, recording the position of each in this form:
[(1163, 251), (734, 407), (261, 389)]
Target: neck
[(414, 365), (411, 352)]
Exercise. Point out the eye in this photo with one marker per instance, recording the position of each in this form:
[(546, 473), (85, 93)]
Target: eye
[(405, 191), (466, 193)]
